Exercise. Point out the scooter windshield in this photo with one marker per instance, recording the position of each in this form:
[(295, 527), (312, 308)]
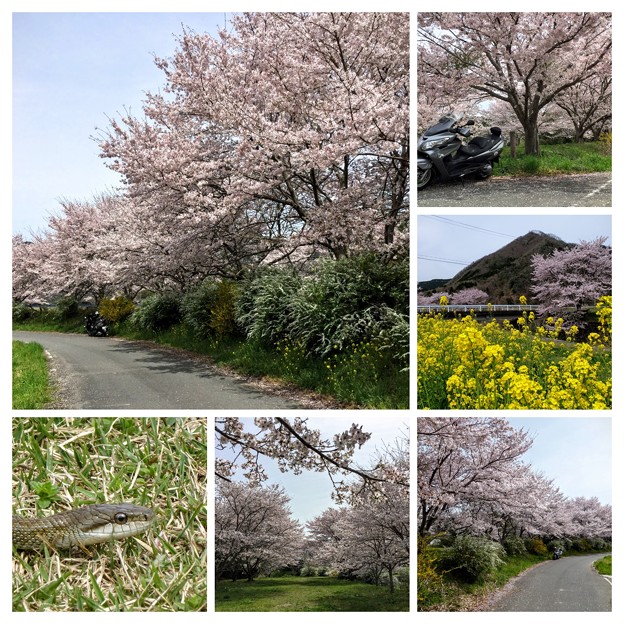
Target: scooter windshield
[(444, 125)]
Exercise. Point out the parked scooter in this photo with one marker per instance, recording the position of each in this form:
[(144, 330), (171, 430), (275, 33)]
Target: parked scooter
[(442, 154), (95, 324), (557, 552)]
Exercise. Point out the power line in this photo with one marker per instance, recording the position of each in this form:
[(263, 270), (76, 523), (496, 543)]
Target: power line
[(467, 226), (448, 261)]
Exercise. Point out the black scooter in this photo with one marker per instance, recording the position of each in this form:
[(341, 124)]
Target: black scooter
[(96, 325), (442, 154)]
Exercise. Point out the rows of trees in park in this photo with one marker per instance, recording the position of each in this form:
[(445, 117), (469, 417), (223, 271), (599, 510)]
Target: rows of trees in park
[(479, 503), (365, 537), (539, 73), (265, 192)]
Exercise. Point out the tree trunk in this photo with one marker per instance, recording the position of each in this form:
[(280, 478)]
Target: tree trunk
[(531, 139)]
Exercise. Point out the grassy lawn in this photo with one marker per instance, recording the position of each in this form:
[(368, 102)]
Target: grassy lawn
[(61, 463), (556, 159), (30, 376), (293, 593), (604, 565)]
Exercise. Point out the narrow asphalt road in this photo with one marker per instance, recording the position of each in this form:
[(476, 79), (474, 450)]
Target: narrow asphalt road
[(580, 190), (111, 373), (568, 584)]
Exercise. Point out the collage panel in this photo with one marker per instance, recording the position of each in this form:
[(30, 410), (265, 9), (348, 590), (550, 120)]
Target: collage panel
[(514, 312), (514, 513), (514, 109), (109, 514), (312, 513)]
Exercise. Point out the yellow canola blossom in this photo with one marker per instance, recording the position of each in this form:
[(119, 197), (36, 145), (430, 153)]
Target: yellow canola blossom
[(463, 364)]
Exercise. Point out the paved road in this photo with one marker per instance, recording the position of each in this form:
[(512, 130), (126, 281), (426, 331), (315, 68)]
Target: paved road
[(588, 190), (110, 373), (569, 584)]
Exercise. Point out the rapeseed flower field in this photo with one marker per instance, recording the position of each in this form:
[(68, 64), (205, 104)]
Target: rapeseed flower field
[(465, 364)]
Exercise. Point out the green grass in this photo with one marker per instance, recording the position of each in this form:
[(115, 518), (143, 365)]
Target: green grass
[(604, 565), (363, 376), (30, 376), (292, 593), (557, 159), (61, 463)]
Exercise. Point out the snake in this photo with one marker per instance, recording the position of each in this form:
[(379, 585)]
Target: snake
[(92, 524)]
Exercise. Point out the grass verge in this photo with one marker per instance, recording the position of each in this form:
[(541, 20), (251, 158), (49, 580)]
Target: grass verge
[(30, 376), (443, 591), (62, 463), (292, 593), (603, 566), (562, 158)]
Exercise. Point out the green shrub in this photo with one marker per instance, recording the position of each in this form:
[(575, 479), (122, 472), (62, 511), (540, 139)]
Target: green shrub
[(556, 543), (536, 546), (117, 309), (66, 308), (474, 557), (210, 309), (264, 309), (514, 545), (597, 543), (22, 312), (158, 312), (581, 544)]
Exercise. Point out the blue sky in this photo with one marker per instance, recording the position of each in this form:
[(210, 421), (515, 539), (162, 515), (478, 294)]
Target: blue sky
[(71, 72), (461, 239), (310, 492), (574, 451)]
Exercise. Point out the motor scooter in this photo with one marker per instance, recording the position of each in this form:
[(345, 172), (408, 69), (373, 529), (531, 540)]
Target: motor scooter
[(557, 553), (95, 324), (443, 155)]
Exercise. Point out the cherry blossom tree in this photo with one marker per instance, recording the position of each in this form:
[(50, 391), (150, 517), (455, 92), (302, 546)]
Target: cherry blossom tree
[(254, 531), (471, 480), (572, 278), (466, 461), (295, 446), (370, 537), (526, 60), (286, 135)]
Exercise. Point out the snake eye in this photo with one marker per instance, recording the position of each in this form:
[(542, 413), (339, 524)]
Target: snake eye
[(121, 518)]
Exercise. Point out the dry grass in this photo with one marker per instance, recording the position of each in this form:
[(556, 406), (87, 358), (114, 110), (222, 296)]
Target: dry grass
[(61, 463)]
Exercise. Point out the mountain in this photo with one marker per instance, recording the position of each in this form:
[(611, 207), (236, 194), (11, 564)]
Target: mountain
[(506, 274)]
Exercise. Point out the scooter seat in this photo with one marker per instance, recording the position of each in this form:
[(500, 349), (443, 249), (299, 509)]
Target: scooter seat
[(479, 144)]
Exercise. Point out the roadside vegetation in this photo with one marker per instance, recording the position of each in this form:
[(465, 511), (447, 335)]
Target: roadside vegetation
[(341, 332), (460, 574), (603, 566), (30, 376), (292, 593), (560, 158)]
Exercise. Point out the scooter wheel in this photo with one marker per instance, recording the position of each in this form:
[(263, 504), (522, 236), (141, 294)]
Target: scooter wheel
[(424, 177)]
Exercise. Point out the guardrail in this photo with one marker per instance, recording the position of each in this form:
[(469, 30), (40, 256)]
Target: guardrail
[(424, 309)]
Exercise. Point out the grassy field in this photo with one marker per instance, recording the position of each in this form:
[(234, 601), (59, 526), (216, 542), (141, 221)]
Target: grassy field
[(361, 377), (61, 463), (30, 376), (293, 593), (554, 159)]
